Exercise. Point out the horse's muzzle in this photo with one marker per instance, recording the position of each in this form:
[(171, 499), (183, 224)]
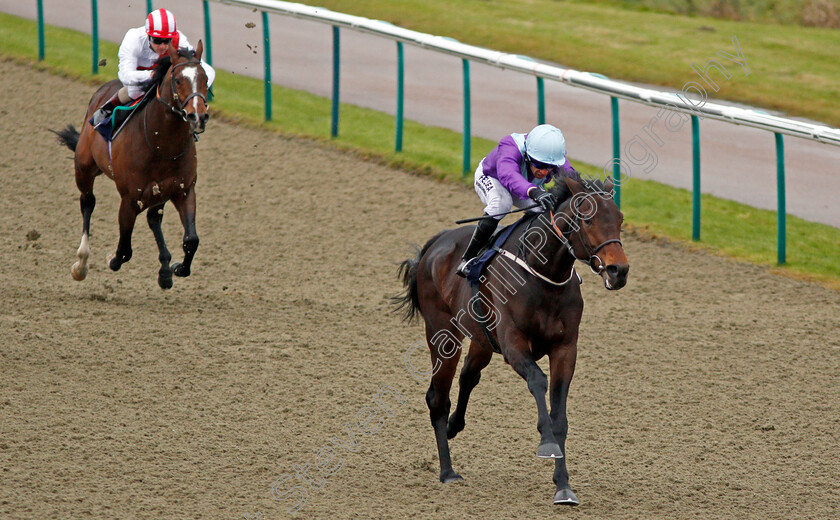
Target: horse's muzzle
[(615, 276), (197, 122)]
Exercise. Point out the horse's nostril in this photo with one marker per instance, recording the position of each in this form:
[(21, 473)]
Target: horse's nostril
[(612, 270)]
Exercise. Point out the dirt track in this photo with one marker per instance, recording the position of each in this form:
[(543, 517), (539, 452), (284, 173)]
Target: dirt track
[(704, 389)]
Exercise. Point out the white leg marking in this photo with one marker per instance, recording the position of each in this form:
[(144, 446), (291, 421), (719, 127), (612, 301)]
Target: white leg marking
[(80, 269)]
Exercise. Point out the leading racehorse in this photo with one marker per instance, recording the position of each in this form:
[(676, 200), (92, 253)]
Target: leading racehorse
[(151, 161), (528, 305)]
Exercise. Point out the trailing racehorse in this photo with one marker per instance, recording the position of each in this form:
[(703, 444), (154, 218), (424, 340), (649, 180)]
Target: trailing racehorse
[(527, 305), (151, 161)]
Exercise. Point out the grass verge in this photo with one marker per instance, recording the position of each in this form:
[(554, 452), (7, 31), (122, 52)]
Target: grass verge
[(653, 209)]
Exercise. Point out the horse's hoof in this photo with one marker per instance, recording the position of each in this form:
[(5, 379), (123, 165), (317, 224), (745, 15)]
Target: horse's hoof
[(165, 282), (112, 262), (549, 450), (180, 270), (450, 477), (77, 273), (566, 497)]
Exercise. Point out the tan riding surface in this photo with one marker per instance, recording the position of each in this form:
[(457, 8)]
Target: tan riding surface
[(704, 389)]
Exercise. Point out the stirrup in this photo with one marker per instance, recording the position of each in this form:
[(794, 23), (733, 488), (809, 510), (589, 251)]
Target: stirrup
[(464, 267)]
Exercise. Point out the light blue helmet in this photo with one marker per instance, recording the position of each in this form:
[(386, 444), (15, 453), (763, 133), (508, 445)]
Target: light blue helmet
[(545, 144)]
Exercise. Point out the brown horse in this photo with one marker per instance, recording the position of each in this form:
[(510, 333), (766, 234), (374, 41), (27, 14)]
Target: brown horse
[(151, 161), (527, 306)]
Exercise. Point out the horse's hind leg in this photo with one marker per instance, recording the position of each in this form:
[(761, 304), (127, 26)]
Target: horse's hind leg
[(445, 354), (128, 215), (155, 216), (477, 358), (85, 175), (186, 209)]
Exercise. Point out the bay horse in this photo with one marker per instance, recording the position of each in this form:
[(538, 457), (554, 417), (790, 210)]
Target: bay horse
[(151, 161), (528, 305)]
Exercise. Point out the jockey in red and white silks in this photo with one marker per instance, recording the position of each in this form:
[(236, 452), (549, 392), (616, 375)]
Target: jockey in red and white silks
[(140, 49), (137, 57)]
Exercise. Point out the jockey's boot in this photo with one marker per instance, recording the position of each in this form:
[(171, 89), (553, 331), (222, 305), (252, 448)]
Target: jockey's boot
[(105, 110), (480, 237)]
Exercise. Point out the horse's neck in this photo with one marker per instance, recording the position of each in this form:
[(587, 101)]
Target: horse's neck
[(162, 114), (552, 259), (169, 129)]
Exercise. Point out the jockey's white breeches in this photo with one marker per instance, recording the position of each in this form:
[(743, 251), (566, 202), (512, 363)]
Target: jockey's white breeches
[(496, 198)]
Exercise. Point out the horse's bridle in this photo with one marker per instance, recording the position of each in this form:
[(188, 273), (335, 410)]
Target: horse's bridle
[(179, 110), (587, 245)]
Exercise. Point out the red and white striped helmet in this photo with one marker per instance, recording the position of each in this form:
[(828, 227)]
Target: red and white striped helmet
[(161, 24)]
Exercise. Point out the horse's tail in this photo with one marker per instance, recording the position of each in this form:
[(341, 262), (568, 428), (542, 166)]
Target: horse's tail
[(408, 302), (69, 137)]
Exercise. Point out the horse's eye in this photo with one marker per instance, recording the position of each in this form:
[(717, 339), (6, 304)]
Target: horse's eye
[(588, 221)]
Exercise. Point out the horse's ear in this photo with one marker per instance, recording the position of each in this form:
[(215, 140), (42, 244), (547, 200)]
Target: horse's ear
[(574, 185), (173, 53), (198, 50)]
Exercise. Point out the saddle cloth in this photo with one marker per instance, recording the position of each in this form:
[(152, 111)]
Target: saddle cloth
[(496, 242), (111, 127)]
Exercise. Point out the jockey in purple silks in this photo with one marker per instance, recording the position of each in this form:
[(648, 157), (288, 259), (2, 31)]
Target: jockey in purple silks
[(513, 174)]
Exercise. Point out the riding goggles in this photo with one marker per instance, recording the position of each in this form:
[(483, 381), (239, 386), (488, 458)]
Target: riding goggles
[(542, 166), (160, 41)]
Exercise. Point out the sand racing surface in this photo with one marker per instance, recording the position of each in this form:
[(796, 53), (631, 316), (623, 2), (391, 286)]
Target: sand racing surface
[(704, 389)]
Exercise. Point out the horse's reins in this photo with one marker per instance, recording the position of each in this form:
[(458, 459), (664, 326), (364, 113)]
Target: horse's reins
[(180, 111), (476, 287), (593, 253)]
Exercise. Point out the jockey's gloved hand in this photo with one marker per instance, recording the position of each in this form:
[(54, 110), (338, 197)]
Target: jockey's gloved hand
[(543, 198), (148, 82)]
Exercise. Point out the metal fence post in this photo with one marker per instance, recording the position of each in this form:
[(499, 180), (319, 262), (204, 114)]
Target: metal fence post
[(336, 77), (40, 30), (94, 37), (616, 142), (208, 46), (149, 6), (781, 211), (467, 131), (400, 95), (267, 66), (540, 101), (695, 190)]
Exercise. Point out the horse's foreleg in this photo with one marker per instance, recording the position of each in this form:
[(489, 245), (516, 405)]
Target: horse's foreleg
[(128, 215), (87, 201), (155, 216), (186, 209), (562, 370), (477, 358), (520, 358), (86, 172)]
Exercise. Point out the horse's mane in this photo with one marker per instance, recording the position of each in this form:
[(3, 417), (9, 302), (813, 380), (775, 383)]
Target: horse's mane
[(164, 62), (562, 192)]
